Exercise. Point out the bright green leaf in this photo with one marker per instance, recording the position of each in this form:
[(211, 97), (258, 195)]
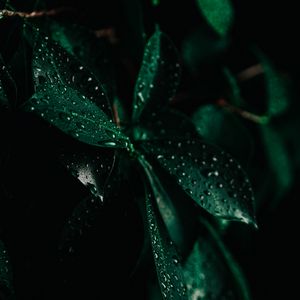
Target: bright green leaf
[(278, 158), (5, 271), (166, 259), (276, 86), (218, 13), (75, 115), (158, 78), (208, 175)]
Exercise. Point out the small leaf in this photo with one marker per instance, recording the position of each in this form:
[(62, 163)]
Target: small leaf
[(210, 273), (276, 86), (166, 259), (75, 115), (218, 13), (159, 76), (278, 158), (235, 92), (208, 175), (5, 271), (92, 168)]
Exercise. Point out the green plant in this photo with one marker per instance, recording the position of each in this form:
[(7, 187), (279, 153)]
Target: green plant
[(172, 164)]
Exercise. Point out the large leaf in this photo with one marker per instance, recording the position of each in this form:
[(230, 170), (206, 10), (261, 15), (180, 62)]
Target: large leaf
[(211, 272), (166, 259), (76, 115), (5, 272), (218, 13), (208, 175), (159, 76)]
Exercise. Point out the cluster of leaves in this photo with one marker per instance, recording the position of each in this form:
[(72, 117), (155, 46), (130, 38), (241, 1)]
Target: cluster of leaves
[(163, 149)]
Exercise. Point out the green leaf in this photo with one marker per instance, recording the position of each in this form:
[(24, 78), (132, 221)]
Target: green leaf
[(159, 76), (91, 167), (92, 52), (210, 271), (211, 177), (166, 259), (75, 115), (218, 13), (224, 129), (165, 205), (279, 160), (5, 272), (276, 86), (235, 92)]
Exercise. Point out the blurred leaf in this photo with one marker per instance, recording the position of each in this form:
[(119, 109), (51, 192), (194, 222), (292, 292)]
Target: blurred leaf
[(276, 86), (279, 160), (218, 13), (165, 125), (211, 273), (166, 259), (158, 78), (224, 129), (208, 175), (235, 93), (75, 115), (5, 272)]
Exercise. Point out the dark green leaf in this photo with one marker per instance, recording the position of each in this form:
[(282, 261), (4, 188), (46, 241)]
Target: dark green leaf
[(210, 273), (75, 115), (235, 93), (278, 158), (166, 259), (82, 218), (54, 66), (159, 76), (208, 175), (224, 129), (218, 13), (5, 271), (92, 52), (165, 205), (276, 86)]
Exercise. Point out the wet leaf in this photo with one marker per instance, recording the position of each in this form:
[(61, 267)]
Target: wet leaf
[(5, 271), (218, 13), (210, 273), (159, 76), (276, 86), (278, 158), (211, 177), (92, 52), (166, 259), (91, 167), (75, 115), (164, 204), (52, 65)]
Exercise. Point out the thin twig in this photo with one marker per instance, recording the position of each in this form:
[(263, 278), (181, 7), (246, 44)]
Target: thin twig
[(250, 72), (4, 13), (243, 113)]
